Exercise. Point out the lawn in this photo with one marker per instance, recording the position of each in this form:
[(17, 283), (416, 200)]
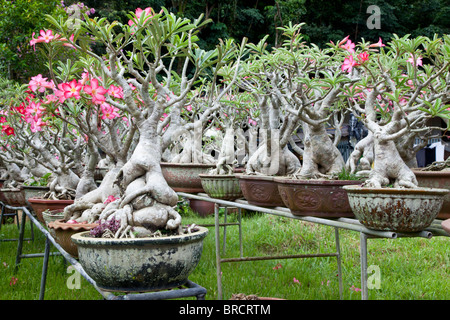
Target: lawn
[(409, 268)]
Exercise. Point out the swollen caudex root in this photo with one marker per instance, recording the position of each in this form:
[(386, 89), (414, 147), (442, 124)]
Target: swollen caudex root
[(389, 168)]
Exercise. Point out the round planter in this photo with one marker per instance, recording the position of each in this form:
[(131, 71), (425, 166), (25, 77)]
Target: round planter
[(260, 190), (316, 198), (64, 231), (183, 177), (140, 264), (202, 207), (436, 179), (14, 197), (40, 205), (395, 209), (34, 192), (50, 216), (225, 187)]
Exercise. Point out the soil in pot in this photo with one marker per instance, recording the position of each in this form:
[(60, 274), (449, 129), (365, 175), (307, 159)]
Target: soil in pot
[(316, 198), (395, 209), (140, 264)]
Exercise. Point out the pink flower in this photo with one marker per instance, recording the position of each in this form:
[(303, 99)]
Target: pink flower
[(278, 266), (252, 122), (13, 281), (110, 199), (349, 46), (378, 44), (37, 82), (37, 124), (417, 62), (97, 92), (115, 92), (71, 89), (296, 281), (8, 130), (45, 36), (353, 288), (2, 119), (348, 65), (108, 111), (363, 57), (147, 12)]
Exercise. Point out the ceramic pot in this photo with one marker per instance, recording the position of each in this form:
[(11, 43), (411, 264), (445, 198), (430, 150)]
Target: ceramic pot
[(260, 190), (436, 179), (50, 216), (40, 205), (395, 209), (225, 187), (64, 231), (202, 207), (140, 264), (183, 177), (316, 198), (35, 192), (14, 197)]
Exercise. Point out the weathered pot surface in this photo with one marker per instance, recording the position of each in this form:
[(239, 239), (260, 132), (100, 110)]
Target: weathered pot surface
[(436, 179), (140, 264), (202, 207), (317, 198), (14, 197), (395, 209), (260, 190), (40, 205), (225, 187), (63, 232), (183, 177)]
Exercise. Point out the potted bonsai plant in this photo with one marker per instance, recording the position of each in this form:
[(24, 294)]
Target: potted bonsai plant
[(396, 94), (144, 202)]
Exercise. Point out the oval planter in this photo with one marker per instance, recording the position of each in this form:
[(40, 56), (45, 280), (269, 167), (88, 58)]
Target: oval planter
[(260, 190), (395, 209), (64, 231), (202, 207), (316, 198), (225, 187), (40, 205), (14, 197), (436, 179), (140, 264), (183, 177)]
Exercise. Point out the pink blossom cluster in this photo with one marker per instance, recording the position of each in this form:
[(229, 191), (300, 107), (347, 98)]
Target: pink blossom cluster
[(350, 61)]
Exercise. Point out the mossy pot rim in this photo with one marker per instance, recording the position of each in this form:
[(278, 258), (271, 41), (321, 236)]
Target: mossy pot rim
[(85, 239)]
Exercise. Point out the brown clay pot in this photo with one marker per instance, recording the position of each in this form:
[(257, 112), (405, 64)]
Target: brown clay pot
[(40, 205), (63, 232), (316, 198), (202, 207), (260, 190), (184, 177), (14, 197), (436, 179)]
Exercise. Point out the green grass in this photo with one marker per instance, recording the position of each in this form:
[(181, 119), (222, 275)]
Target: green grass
[(410, 268)]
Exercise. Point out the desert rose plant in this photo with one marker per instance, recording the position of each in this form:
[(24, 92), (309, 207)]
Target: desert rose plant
[(155, 61), (401, 86)]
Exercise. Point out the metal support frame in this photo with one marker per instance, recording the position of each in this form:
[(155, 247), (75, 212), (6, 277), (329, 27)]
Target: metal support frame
[(189, 289), (16, 214), (435, 229)]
